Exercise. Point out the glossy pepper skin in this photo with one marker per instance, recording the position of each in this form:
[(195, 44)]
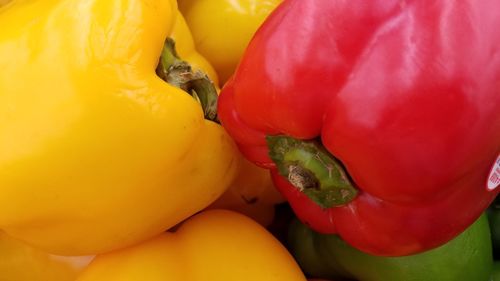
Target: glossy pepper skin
[(96, 151), (221, 31), (213, 245), (467, 257), (404, 94), (222, 28)]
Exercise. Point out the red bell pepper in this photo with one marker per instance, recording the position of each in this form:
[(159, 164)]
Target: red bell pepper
[(379, 120)]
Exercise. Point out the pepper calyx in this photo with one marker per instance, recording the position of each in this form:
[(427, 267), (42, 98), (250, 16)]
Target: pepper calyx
[(179, 73), (312, 169)]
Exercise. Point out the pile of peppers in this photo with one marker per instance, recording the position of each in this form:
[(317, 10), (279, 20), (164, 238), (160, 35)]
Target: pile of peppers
[(274, 140)]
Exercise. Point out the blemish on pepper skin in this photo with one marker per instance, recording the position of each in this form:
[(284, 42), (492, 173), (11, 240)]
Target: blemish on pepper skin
[(301, 178), (251, 200)]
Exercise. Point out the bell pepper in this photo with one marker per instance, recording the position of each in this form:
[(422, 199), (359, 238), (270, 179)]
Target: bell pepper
[(20, 262), (379, 121), (465, 258), (96, 151), (212, 245), (223, 28), (252, 193)]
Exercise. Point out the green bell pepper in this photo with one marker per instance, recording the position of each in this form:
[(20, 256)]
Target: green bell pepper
[(468, 257)]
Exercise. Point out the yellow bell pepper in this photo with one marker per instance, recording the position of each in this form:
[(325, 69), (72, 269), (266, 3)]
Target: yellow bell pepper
[(96, 151), (252, 193), (223, 28), (216, 245), (20, 262)]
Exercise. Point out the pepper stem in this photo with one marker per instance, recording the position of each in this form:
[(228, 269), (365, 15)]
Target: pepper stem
[(312, 169), (179, 73)]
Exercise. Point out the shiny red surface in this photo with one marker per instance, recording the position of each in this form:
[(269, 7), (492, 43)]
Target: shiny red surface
[(406, 94)]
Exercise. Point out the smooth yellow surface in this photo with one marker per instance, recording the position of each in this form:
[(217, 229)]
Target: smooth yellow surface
[(96, 151), (251, 193), (214, 245), (223, 28), (20, 262)]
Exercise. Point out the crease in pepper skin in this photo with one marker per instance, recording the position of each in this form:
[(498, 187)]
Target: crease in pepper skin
[(403, 94), (222, 28), (212, 245), (222, 44), (20, 262), (96, 151)]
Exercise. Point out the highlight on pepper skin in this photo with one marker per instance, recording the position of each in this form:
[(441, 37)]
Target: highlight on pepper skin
[(99, 152), (367, 134), (399, 123)]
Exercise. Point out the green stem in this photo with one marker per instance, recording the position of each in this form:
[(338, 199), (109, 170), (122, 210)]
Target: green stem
[(168, 58), (205, 90), (172, 69), (312, 169)]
